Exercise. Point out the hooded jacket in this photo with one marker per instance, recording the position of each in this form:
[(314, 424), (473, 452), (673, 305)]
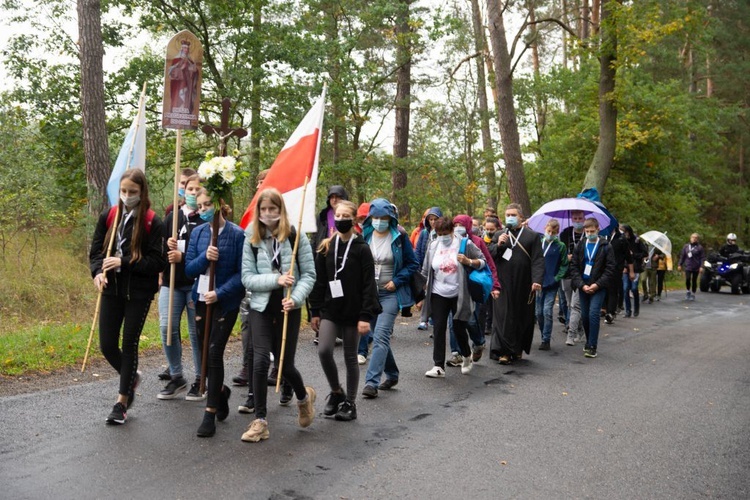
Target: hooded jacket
[(323, 228), (404, 262), (424, 236), (466, 222), (414, 236)]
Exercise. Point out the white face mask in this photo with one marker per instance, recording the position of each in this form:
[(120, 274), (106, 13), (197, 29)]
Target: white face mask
[(130, 201), (445, 239), (459, 231), (270, 220)]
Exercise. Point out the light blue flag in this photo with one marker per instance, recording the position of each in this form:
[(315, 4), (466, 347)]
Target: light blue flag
[(135, 149)]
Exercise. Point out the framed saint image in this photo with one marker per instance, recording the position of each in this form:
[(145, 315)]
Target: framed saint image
[(183, 73)]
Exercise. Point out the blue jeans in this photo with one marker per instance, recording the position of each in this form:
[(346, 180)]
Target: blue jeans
[(591, 306), (183, 299), (475, 332), (364, 344), (382, 360), (545, 302), (629, 285)]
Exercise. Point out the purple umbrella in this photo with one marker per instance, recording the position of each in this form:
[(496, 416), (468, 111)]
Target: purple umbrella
[(560, 210)]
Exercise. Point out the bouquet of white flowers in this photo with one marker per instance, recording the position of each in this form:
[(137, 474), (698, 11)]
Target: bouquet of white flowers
[(219, 173)]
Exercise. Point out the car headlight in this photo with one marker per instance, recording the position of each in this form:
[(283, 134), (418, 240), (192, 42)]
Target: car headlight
[(706, 264), (734, 266)]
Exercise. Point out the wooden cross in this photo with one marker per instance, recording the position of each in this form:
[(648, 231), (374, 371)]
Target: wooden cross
[(224, 132)]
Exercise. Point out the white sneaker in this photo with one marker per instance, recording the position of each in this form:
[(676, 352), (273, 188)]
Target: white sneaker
[(361, 359), (466, 365), (435, 372), (570, 340)]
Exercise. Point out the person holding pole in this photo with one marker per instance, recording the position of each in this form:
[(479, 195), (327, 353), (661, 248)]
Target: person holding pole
[(176, 247), (224, 299), (125, 259), (280, 280), (343, 302)]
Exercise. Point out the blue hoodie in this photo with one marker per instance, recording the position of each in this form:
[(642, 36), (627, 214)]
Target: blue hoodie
[(404, 262), (424, 236)]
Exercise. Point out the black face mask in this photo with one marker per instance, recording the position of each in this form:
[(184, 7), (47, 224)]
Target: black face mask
[(343, 225)]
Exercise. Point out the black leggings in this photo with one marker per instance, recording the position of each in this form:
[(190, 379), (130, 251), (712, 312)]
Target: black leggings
[(222, 323), (327, 340), (131, 315), (440, 307), (660, 282), (691, 275), (266, 337)]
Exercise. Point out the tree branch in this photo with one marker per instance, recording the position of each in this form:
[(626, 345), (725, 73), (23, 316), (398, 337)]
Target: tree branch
[(464, 60)]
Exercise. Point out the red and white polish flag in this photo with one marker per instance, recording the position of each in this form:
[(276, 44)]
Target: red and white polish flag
[(298, 159)]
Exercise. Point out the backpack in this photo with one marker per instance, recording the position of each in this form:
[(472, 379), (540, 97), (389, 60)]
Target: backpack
[(480, 280), (149, 218)]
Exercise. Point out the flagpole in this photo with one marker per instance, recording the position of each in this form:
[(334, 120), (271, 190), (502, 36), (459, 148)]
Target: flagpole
[(115, 223), (289, 289), (175, 218)]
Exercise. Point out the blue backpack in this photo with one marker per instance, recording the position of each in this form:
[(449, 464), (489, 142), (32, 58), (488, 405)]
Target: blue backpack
[(480, 280)]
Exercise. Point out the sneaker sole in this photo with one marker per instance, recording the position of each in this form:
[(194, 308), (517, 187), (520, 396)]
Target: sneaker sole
[(255, 439), (172, 395), (245, 409), (114, 421), (195, 398)]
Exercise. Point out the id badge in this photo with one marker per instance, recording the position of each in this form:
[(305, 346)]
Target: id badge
[(336, 289), (690, 255), (377, 272), (181, 245), (202, 286), (587, 270), (508, 254)]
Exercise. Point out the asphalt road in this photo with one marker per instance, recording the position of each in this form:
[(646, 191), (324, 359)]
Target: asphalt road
[(663, 412)]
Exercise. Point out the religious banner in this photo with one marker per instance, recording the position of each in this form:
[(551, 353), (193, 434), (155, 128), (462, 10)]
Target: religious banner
[(183, 73)]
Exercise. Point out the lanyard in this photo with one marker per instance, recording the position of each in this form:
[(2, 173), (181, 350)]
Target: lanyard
[(590, 256), (336, 255), (514, 240), (275, 260), (545, 250), (121, 230)]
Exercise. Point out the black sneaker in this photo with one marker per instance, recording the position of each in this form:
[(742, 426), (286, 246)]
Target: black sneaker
[(286, 394), (609, 319), (248, 406), (370, 392), (222, 412), (347, 411), (388, 384), (118, 415), (176, 385), (208, 426), (406, 312), (334, 401), (165, 375), (544, 346), (241, 379), (590, 353), (194, 394), (131, 395)]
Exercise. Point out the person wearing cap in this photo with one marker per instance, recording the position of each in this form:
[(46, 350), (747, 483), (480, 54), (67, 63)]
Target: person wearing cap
[(359, 220)]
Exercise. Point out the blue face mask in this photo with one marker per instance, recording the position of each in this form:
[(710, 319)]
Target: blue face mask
[(578, 226), (592, 237), (181, 192), (511, 221), (191, 201), (208, 215), (380, 225), (445, 239)]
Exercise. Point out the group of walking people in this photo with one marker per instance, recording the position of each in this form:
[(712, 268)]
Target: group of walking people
[(355, 276)]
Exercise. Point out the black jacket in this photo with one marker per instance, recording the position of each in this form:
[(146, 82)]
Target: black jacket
[(638, 252), (602, 270), (360, 301), (185, 226), (139, 280), (322, 222)]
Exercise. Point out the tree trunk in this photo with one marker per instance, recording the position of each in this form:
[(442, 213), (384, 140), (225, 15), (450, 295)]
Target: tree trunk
[(538, 104), (586, 20), (565, 34), (596, 9), (95, 145), (605, 152), (403, 109), (506, 110), (255, 97), (488, 155)]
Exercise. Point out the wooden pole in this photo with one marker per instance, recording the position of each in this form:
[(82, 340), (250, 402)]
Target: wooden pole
[(115, 223), (209, 307), (175, 218), (289, 289)]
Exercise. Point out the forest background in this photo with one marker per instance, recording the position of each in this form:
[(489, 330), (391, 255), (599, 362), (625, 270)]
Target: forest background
[(460, 104)]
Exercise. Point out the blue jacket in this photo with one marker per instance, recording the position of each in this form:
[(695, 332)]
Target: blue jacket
[(227, 283), (404, 262), (260, 278), (424, 237)]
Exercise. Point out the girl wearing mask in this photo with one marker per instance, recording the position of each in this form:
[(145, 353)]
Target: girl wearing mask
[(394, 265), (127, 280), (266, 260), (188, 219), (343, 302), (225, 297), (448, 291)]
